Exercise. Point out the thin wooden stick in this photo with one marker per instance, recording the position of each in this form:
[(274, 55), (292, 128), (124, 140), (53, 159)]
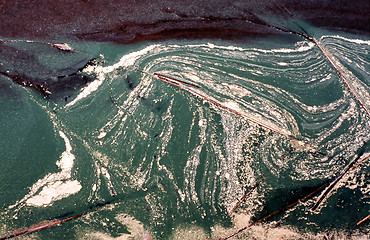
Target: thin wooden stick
[(274, 213), (341, 76), (40, 226), (247, 194), (257, 184), (363, 220), (177, 83), (355, 162), (170, 79), (306, 35), (55, 222)]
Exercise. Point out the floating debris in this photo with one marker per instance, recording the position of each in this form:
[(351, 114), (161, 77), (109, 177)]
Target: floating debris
[(63, 47)]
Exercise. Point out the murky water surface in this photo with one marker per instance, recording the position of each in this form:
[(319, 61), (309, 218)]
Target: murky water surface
[(170, 161)]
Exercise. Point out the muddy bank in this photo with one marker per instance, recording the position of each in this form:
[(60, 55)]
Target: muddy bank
[(47, 68), (129, 21)]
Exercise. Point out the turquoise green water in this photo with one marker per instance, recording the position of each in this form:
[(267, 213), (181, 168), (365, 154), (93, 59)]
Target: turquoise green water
[(145, 155)]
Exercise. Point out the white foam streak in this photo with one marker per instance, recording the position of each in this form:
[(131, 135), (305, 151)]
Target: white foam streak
[(126, 61), (131, 58), (91, 87), (53, 192), (358, 41), (54, 186), (302, 48), (234, 154)]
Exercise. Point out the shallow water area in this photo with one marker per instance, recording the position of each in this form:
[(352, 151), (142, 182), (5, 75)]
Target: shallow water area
[(144, 156)]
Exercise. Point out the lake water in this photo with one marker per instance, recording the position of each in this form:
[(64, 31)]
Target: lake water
[(142, 157)]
